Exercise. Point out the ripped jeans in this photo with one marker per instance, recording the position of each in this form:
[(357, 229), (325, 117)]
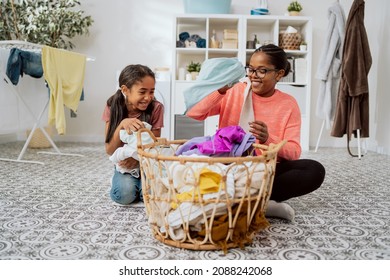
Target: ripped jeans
[(125, 188)]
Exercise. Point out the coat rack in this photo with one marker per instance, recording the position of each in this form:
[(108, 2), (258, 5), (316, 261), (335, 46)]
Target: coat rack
[(359, 155), (356, 4)]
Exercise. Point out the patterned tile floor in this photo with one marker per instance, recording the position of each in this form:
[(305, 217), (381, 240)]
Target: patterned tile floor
[(62, 210)]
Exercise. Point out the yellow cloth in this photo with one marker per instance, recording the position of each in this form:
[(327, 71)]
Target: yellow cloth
[(208, 183), (64, 72)]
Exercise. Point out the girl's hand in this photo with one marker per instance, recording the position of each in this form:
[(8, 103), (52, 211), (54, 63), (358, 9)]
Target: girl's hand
[(132, 125), (260, 130)]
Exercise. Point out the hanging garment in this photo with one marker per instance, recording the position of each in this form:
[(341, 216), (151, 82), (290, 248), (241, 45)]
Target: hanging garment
[(352, 111), (23, 62), (328, 71), (64, 72), (215, 74)]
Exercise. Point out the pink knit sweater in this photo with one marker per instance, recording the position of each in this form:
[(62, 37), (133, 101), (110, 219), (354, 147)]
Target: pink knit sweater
[(280, 112)]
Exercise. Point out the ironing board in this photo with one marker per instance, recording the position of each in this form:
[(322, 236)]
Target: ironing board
[(27, 46)]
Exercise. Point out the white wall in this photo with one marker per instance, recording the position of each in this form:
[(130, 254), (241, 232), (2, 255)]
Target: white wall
[(124, 32), (130, 31), (380, 113)]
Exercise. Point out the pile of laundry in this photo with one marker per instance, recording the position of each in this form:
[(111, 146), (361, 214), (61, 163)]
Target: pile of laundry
[(190, 192), (231, 141)]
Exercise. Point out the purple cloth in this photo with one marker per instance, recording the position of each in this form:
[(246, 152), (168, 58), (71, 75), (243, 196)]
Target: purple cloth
[(191, 145), (246, 143), (227, 141)]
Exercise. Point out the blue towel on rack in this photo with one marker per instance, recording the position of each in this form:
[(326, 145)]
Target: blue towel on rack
[(214, 74)]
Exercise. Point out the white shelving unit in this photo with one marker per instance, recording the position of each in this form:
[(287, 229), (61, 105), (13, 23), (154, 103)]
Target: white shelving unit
[(267, 29)]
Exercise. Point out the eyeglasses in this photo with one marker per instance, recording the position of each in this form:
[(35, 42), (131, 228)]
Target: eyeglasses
[(260, 73)]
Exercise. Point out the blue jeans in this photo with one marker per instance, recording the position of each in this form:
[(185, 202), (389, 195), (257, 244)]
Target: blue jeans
[(23, 62), (125, 189)]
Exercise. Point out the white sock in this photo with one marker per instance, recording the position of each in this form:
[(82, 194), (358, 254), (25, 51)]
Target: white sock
[(280, 210)]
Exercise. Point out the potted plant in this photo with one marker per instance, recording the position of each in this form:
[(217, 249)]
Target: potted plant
[(294, 8), (194, 69), (51, 23), (303, 46)]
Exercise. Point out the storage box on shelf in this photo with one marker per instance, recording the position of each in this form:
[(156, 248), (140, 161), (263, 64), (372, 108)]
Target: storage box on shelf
[(216, 29), (207, 6)]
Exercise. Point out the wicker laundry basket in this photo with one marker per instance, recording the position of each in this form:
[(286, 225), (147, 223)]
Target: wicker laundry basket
[(38, 139), (205, 203), (290, 41)]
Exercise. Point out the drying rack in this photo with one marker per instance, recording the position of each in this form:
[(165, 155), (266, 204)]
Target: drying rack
[(27, 46)]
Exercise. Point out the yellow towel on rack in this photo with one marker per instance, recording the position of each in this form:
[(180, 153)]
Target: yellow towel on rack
[(64, 72)]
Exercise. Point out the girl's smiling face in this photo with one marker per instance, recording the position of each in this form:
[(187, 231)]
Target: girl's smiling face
[(140, 95), (265, 78)]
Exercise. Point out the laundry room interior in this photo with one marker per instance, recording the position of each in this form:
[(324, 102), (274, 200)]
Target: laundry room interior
[(159, 77)]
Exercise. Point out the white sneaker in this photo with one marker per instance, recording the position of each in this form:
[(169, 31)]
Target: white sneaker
[(280, 210)]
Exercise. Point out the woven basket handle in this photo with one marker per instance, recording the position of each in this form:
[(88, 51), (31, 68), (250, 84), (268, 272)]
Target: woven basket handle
[(279, 145), (139, 138)]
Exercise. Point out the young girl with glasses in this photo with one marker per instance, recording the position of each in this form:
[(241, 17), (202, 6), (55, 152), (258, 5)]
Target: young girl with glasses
[(277, 117)]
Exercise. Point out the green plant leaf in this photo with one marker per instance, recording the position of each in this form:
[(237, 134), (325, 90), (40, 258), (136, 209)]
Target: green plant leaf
[(46, 22)]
